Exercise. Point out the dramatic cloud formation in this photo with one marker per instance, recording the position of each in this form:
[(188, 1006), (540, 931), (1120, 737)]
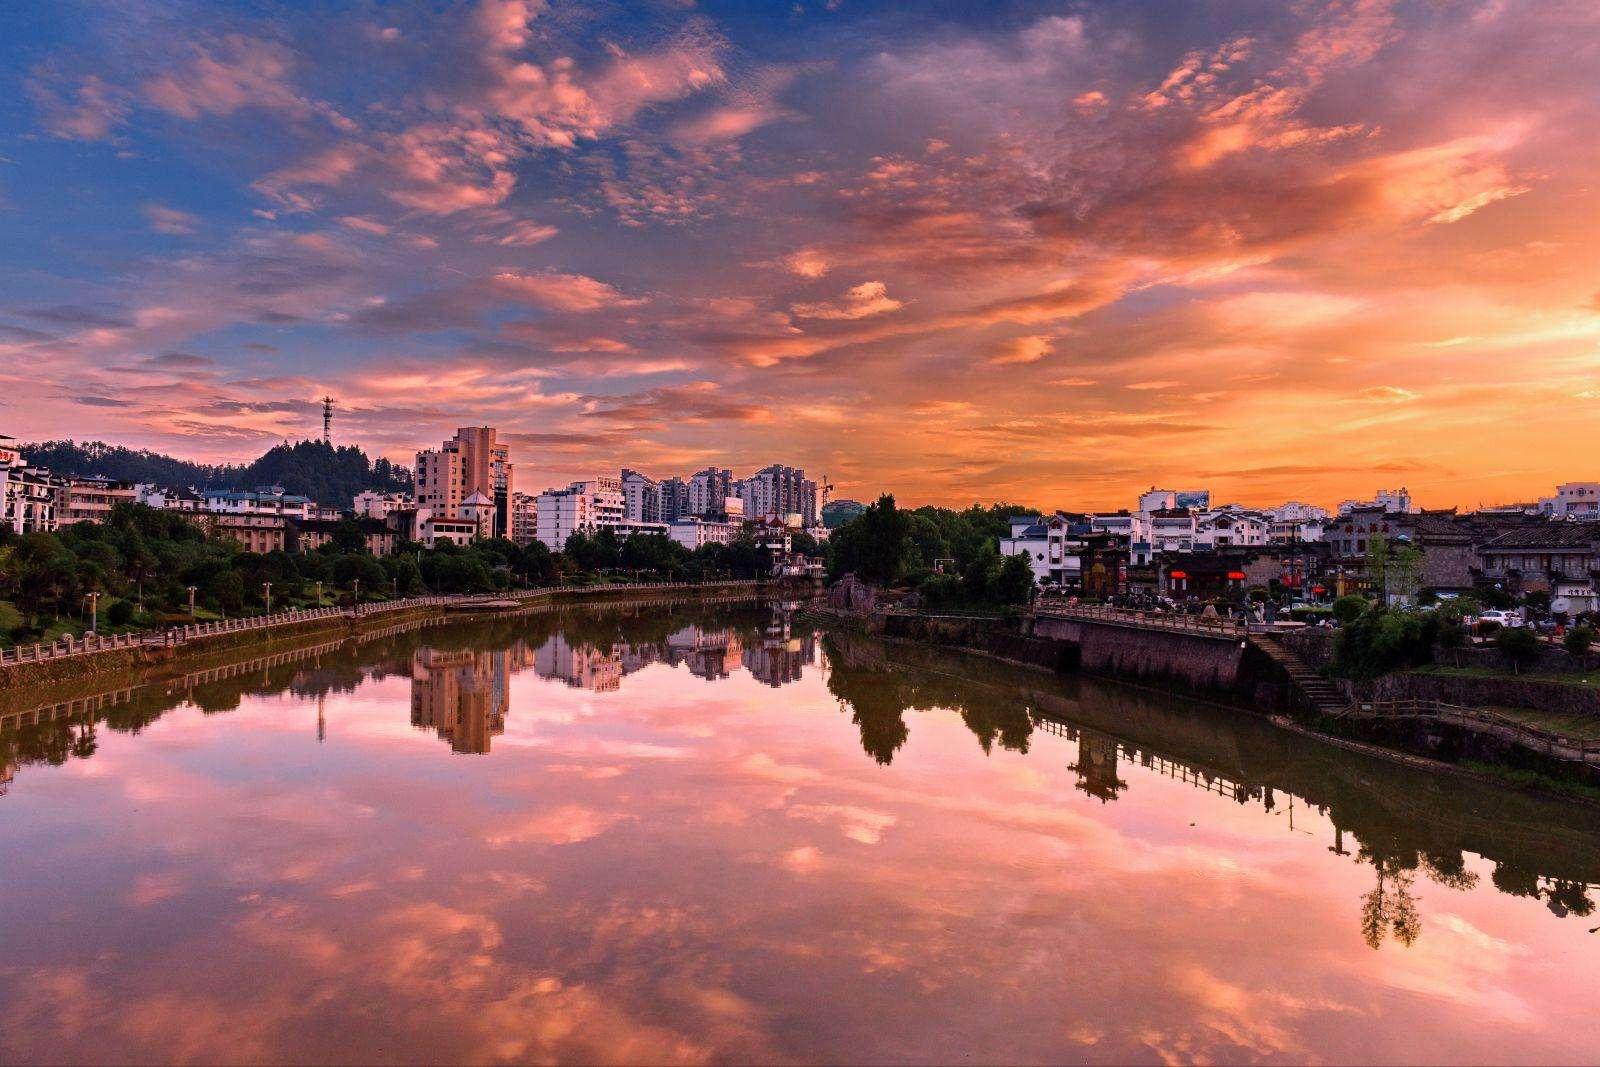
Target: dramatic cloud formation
[(1353, 233)]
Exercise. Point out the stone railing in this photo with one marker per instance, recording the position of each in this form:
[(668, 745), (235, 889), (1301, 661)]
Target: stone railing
[(1149, 620), (181, 635)]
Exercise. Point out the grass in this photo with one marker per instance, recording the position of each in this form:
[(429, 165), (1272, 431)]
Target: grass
[(1525, 779), (1590, 680), (1575, 725)]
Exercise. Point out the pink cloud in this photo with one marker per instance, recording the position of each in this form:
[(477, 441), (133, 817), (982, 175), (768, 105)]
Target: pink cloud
[(561, 292)]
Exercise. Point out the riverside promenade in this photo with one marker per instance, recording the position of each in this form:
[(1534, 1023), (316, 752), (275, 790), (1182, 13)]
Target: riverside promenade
[(179, 637)]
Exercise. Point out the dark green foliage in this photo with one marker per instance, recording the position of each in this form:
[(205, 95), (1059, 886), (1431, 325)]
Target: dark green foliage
[(1518, 645), (1578, 640), (1383, 640), (875, 546), (886, 546), (1348, 609)]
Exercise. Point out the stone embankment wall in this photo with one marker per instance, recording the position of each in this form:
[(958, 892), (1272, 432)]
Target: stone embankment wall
[(989, 636), (1210, 662), (1470, 691)]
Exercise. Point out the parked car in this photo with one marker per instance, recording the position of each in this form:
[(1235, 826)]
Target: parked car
[(1509, 619)]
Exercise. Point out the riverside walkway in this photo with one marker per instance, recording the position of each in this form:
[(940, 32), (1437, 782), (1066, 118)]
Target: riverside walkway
[(181, 636)]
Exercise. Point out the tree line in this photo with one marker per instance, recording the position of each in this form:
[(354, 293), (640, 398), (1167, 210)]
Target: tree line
[(325, 473), (949, 558), (140, 564)]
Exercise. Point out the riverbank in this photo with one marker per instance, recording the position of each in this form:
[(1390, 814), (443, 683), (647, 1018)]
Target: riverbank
[(1228, 665), (74, 662)]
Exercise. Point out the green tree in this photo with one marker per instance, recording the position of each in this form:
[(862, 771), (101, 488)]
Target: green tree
[(1578, 640), (1518, 645), (1349, 608)]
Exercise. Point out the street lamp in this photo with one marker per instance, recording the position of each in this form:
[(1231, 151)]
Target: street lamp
[(319, 594), (94, 612), (356, 596), (266, 590), (191, 602)]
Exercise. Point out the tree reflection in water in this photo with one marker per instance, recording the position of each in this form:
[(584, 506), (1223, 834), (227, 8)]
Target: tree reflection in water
[(1399, 822)]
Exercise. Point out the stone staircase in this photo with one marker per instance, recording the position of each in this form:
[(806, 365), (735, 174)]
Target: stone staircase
[(1319, 695)]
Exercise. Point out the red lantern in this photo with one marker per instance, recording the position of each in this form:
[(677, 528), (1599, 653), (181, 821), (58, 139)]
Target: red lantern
[(1318, 589), (1236, 576), (1178, 576)]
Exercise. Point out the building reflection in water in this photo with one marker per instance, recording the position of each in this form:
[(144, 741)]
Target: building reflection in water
[(460, 694), (464, 695)]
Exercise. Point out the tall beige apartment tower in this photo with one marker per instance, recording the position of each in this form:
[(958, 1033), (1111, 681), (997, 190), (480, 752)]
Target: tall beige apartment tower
[(473, 461)]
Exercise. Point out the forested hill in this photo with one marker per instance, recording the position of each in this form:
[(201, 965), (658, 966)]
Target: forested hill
[(326, 474)]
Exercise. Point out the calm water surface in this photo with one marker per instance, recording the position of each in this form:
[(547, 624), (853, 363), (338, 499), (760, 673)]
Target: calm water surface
[(704, 834)]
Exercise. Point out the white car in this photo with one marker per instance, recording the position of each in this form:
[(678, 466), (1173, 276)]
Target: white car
[(1508, 619)]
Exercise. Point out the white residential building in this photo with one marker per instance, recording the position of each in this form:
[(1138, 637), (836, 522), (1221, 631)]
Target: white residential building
[(641, 497), (31, 498), (1573, 500), (1172, 530), (692, 531), (372, 504), (1394, 501), (586, 506), (1221, 529), (1133, 525), (524, 518), (1045, 543), (272, 501)]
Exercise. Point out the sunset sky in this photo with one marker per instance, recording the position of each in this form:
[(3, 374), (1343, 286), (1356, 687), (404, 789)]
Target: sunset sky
[(1045, 252)]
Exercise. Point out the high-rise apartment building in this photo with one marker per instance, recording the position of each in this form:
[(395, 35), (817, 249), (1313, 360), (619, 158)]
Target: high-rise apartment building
[(473, 461), (709, 491), (641, 497), (778, 491), (674, 499)]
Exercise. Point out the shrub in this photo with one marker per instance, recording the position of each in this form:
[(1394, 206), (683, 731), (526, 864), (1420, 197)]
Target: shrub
[(120, 613), (1518, 645), (1384, 639), (1347, 609), (1578, 640)]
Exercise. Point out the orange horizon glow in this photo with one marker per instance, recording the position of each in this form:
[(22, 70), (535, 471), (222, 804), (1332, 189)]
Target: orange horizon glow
[(1289, 253)]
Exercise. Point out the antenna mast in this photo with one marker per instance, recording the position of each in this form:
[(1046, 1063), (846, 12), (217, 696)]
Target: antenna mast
[(327, 420)]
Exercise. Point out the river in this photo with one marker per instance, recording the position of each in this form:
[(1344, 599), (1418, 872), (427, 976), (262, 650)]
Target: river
[(707, 833)]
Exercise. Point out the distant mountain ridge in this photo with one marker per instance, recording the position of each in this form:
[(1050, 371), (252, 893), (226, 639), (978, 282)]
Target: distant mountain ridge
[(320, 471)]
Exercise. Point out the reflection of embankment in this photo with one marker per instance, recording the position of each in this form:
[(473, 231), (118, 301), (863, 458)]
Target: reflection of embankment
[(1382, 813), (458, 667)]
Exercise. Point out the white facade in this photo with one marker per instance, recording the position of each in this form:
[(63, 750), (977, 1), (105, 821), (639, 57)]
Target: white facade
[(1229, 528), (371, 504), (1135, 526), (30, 498), (692, 532), (1045, 544), (1394, 501), (438, 529), (1172, 530), (585, 506), (641, 497), (1573, 500), (264, 502)]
